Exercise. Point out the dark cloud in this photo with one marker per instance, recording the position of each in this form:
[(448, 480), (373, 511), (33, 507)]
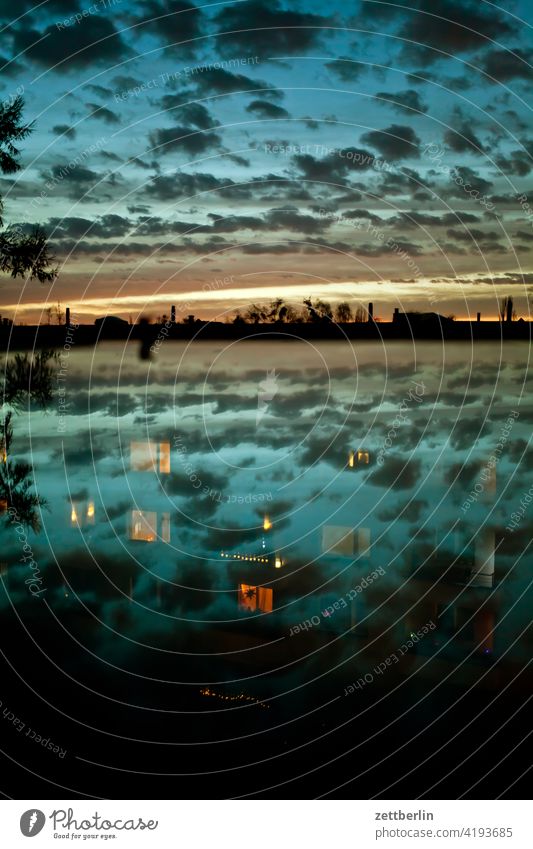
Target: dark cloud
[(78, 174), (197, 115), (192, 113), (172, 21), (64, 130), (101, 113), (394, 142), (472, 234), (61, 7), (178, 483), (257, 27), (264, 109), (505, 65), (346, 69), (403, 101), (471, 179), (453, 26), (396, 473), (107, 226), (518, 163), (463, 140), (335, 167), (186, 139), (94, 41), (211, 81), (414, 219), (188, 185), (99, 91)]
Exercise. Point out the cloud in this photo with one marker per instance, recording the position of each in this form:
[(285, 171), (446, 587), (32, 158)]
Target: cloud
[(453, 26), (335, 166), (291, 219), (257, 27), (264, 109), (191, 113), (396, 473), (184, 185), (185, 139), (346, 69), (101, 113), (64, 130), (107, 226), (99, 90), (471, 179), (211, 81), (173, 22), (463, 140), (518, 162), (508, 65), (403, 101), (394, 142), (94, 41)]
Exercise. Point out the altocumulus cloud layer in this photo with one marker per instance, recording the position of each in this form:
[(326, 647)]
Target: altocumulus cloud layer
[(297, 149)]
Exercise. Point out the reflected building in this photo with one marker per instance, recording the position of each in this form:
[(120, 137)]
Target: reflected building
[(144, 526), (82, 513), (346, 541), (255, 598), (482, 572), (358, 458), (150, 456)]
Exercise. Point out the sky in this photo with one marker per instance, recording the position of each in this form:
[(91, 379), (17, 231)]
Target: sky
[(210, 156)]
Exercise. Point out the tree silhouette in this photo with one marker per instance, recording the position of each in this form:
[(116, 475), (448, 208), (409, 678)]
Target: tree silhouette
[(29, 378), (343, 312), (16, 484), (21, 253), (319, 310), (507, 312)]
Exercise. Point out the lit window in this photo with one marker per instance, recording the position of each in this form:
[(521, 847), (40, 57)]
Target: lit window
[(143, 525), (164, 458), (255, 598)]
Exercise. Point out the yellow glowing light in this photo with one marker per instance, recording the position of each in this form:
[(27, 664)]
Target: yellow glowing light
[(90, 510), (73, 515), (351, 460), (267, 524), (278, 563)]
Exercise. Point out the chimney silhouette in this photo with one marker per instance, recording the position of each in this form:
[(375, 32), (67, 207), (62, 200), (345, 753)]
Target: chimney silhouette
[(479, 316), (396, 315), (371, 312), (509, 309), (67, 316), (173, 314)]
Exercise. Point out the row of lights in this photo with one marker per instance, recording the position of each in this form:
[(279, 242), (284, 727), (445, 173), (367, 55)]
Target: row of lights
[(278, 562), (238, 698), (245, 557)]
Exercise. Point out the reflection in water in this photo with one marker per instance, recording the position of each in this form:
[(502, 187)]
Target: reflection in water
[(17, 501), (369, 558)]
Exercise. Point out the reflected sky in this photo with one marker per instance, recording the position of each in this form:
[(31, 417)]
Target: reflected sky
[(204, 506)]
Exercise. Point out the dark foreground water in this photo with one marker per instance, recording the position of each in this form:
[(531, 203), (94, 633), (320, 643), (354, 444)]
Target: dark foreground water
[(272, 569)]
